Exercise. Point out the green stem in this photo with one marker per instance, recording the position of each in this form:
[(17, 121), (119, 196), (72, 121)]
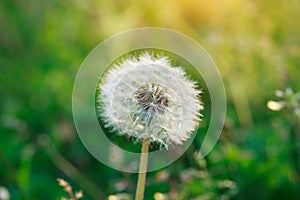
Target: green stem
[(142, 171)]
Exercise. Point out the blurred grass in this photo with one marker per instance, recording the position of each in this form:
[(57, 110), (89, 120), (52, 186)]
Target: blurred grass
[(255, 44)]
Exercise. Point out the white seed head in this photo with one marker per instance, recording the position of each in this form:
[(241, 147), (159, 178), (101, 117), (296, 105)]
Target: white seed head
[(145, 97)]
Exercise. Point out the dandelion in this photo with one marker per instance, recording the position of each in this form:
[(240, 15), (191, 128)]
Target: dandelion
[(146, 98)]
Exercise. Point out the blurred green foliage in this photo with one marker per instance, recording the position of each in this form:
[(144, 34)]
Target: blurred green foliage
[(255, 44)]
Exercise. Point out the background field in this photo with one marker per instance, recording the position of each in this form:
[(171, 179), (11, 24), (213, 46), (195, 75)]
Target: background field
[(255, 44)]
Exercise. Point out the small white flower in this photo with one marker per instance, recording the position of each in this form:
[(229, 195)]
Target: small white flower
[(145, 97)]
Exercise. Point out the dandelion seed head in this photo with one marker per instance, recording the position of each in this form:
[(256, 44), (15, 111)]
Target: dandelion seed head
[(145, 97)]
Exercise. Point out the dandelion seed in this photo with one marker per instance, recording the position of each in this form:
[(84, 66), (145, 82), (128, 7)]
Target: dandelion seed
[(145, 97)]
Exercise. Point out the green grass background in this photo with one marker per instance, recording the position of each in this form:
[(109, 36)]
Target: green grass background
[(255, 44)]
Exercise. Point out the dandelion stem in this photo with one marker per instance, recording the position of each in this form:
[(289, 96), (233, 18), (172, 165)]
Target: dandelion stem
[(142, 171)]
